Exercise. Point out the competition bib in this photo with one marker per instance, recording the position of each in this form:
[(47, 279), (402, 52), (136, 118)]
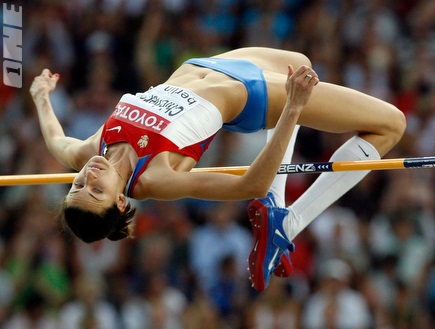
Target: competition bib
[(156, 108)]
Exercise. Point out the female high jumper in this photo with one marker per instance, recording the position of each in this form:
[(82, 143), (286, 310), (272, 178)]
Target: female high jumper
[(149, 144)]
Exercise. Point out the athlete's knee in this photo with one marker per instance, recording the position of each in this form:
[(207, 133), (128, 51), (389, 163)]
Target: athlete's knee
[(306, 60), (396, 124), (387, 129), (300, 59)]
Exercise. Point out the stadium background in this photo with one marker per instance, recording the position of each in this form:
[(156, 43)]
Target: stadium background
[(367, 262)]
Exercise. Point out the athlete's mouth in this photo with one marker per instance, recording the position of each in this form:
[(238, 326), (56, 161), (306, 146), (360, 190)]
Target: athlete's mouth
[(97, 163), (94, 167)]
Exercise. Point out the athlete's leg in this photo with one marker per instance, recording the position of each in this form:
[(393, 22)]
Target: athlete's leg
[(329, 187), (338, 109), (270, 252), (334, 109), (279, 183), (331, 108), (270, 59), (284, 268)]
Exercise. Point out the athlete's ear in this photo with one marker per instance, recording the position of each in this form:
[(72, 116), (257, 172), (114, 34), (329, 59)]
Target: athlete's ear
[(121, 202)]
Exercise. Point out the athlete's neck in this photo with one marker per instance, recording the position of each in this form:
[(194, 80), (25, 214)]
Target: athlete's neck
[(123, 157)]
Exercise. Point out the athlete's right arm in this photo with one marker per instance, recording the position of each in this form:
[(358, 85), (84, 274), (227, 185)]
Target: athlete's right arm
[(162, 183), (71, 152)]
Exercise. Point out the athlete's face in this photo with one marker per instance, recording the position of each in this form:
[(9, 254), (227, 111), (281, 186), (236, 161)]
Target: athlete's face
[(96, 187)]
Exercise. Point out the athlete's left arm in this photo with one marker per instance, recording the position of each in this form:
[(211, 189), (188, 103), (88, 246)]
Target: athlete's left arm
[(167, 184)]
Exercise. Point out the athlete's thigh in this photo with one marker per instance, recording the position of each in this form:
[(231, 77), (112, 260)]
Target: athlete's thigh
[(338, 109), (269, 59)]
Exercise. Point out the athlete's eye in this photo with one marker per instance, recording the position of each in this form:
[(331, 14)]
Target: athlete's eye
[(78, 185), (97, 190)]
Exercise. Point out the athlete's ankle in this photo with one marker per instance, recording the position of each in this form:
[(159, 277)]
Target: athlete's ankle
[(290, 224)]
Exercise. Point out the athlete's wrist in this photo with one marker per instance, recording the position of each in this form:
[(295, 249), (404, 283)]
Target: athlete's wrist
[(295, 109), (43, 105), (40, 97)]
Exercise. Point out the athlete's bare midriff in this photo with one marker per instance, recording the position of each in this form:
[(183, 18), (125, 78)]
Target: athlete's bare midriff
[(227, 94)]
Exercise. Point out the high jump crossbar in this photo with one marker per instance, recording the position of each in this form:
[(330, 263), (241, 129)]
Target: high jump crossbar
[(296, 168)]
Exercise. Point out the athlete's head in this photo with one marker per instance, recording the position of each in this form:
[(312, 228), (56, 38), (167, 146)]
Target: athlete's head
[(95, 207)]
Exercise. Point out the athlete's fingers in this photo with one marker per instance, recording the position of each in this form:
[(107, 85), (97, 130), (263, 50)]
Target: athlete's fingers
[(305, 75), (301, 71), (300, 84), (46, 73), (312, 78)]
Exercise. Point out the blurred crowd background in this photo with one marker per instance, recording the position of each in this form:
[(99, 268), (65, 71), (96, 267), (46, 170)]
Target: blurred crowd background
[(367, 262)]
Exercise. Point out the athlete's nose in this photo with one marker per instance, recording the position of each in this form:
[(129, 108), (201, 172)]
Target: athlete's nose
[(90, 174)]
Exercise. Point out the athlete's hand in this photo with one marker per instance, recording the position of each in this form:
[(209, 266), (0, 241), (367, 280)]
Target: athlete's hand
[(299, 85), (44, 84)]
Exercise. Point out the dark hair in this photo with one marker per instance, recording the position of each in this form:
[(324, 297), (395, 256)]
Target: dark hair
[(89, 226)]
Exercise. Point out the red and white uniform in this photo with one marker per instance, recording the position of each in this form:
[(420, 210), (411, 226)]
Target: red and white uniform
[(165, 118)]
